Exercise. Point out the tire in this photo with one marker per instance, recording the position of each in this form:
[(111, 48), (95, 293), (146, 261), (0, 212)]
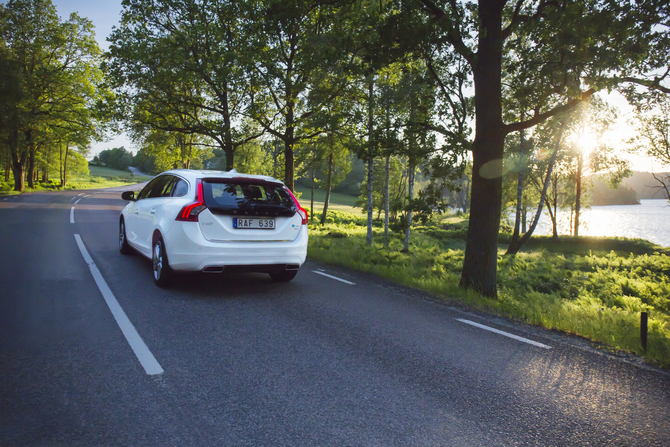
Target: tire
[(283, 276), (160, 265), (124, 247)]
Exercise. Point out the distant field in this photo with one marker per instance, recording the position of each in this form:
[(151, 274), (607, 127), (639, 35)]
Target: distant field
[(338, 202), (99, 171)]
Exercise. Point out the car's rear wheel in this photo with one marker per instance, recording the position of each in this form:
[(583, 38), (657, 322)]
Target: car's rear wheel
[(161, 266), (283, 276), (124, 247)]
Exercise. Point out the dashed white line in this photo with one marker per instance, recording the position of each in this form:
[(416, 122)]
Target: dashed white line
[(334, 277), (72, 215), (145, 357), (77, 201), (503, 333)]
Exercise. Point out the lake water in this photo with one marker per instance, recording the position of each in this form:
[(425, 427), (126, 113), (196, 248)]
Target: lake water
[(650, 220)]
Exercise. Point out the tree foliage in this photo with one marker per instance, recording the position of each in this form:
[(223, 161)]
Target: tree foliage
[(53, 83)]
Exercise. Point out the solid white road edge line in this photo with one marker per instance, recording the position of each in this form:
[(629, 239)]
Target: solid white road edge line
[(146, 358), (506, 334), (335, 278), (72, 215)]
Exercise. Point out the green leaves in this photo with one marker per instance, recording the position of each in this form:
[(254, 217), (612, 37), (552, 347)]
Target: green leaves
[(53, 79)]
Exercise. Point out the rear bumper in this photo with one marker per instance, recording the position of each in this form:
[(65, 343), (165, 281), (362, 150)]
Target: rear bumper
[(188, 250)]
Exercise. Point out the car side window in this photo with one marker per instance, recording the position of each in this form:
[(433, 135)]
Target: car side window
[(180, 188), (148, 188), (159, 187), (167, 188)]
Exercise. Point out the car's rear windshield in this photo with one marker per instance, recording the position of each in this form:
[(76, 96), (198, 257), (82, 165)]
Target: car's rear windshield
[(247, 197)]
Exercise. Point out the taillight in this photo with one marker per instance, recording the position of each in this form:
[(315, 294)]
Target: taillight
[(302, 211), (190, 212)]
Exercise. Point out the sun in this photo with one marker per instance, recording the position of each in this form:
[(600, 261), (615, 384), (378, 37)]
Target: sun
[(586, 142)]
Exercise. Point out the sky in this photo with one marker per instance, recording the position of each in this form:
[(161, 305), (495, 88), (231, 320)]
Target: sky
[(106, 14)]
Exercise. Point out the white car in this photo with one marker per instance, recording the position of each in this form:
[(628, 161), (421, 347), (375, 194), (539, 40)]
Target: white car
[(210, 221)]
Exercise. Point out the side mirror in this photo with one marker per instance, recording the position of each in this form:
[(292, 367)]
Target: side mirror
[(128, 195)]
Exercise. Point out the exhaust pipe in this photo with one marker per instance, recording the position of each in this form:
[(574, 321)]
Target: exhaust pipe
[(213, 269), (292, 266)]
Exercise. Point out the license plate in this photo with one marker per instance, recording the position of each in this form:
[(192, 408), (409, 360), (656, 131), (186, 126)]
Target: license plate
[(253, 224)]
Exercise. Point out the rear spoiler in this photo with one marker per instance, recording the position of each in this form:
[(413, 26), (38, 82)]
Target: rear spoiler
[(245, 180)]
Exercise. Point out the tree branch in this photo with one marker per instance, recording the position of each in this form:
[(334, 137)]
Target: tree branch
[(453, 32), (654, 84), (538, 118), (518, 18)]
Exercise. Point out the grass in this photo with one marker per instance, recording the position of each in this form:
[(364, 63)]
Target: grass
[(591, 287), (101, 171), (338, 202)]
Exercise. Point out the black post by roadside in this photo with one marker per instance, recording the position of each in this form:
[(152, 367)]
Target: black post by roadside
[(643, 330)]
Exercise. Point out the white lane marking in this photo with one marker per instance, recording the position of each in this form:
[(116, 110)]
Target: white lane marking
[(145, 357), (334, 277), (79, 194), (6, 199), (77, 201), (72, 215), (506, 334)]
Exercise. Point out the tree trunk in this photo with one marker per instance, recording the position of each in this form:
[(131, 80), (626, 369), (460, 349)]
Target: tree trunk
[(371, 152), (228, 148), (8, 166), (481, 250), (18, 159), (230, 157), (410, 191), (554, 215), (387, 191), (31, 159), (519, 188), (288, 146), (515, 246), (328, 185), (311, 206), (64, 178), (578, 194), (18, 168)]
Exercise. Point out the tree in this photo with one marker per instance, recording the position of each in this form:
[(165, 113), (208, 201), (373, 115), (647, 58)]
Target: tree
[(294, 60), (581, 47), (653, 136), (590, 156), (179, 68), (59, 74)]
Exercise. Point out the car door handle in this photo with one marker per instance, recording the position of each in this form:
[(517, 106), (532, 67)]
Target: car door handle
[(153, 211), (136, 211)]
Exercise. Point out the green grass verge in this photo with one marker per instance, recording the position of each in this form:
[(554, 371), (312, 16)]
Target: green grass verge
[(338, 202), (101, 171), (591, 287)]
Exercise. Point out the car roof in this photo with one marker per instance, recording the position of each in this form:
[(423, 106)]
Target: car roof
[(200, 173)]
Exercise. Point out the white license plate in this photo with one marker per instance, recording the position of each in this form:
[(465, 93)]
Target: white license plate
[(253, 224)]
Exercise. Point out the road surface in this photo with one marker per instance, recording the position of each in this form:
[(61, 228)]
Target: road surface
[(333, 358)]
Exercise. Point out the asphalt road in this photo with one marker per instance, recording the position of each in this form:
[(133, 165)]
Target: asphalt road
[(246, 361)]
